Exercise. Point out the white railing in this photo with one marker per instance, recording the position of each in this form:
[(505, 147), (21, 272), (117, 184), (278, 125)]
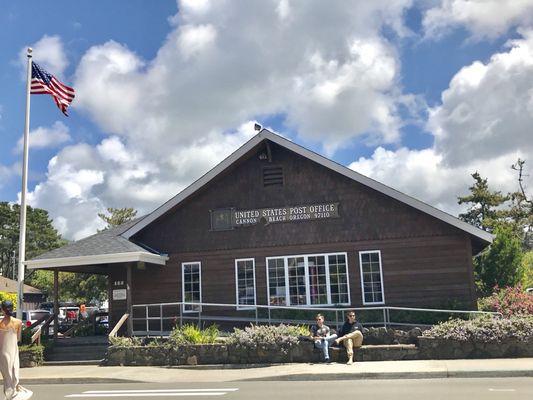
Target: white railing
[(163, 316)]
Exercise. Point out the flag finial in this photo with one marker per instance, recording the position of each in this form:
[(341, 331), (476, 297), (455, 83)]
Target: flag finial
[(30, 50)]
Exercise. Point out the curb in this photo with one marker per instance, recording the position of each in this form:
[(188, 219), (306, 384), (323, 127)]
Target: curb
[(78, 380), (396, 375), (310, 377)]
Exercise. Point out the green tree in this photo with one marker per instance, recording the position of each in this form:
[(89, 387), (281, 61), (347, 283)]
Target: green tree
[(500, 264), (41, 236), (118, 216), (520, 213), (484, 205), (76, 287), (527, 270)]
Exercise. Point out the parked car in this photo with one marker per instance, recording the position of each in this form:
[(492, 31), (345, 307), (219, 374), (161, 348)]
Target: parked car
[(31, 316), (67, 317)]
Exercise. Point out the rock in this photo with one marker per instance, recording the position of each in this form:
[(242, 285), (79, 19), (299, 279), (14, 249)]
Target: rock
[(192, 360)]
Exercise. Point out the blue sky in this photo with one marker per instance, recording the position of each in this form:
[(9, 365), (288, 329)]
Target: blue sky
[(416, 94)]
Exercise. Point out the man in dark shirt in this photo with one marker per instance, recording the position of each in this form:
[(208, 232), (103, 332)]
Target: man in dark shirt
[(351, 335)]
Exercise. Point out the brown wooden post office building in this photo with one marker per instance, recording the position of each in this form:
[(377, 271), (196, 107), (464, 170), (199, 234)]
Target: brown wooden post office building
[(277, 224)]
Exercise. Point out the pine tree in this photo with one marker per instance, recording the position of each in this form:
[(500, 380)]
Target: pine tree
[(118, 216), (483, 211)]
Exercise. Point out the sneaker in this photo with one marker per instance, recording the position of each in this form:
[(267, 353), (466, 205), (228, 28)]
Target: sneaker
[(327, 361), (350, 362), (22, 394)]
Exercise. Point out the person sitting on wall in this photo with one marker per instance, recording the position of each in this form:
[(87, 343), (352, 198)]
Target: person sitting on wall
[(351, 335), (320, 334)]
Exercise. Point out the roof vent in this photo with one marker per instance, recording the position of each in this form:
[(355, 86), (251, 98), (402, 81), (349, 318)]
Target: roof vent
[(272, 176)]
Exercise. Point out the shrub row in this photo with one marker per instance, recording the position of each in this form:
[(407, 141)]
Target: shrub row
[(508, 301), (485, 329)]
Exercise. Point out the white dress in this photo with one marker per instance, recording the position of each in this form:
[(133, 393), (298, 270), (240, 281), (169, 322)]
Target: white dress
[(9, 359)]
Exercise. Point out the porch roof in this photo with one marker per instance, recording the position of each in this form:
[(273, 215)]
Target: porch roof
[(106, 247)]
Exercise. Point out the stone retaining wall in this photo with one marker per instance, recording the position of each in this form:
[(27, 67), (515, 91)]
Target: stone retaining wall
[(31, 357), (441, 349), (303, 352)]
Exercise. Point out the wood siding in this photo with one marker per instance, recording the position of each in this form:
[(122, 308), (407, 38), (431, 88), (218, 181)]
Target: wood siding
[(365, 214), (425, 261), (416, 272)]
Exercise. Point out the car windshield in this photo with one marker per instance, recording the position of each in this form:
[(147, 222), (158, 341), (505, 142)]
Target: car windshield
[(38, 315)]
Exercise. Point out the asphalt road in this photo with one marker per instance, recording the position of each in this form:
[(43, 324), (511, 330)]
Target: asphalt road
[(412, 389)]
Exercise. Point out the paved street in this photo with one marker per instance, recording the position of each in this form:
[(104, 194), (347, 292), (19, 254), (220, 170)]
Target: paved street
[(413, 389)]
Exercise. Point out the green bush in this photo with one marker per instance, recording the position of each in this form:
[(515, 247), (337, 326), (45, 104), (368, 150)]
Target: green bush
[(527, 270), (281, 336), (508, 301), (121, 341), (89, 330), (191, 334), (36, 353), (484, 329)]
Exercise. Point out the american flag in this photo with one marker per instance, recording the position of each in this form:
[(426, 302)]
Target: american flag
[(44, 83)]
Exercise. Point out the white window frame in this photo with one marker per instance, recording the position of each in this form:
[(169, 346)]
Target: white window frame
[(245, 307), (365, 303), (199, 263), (328, 282)]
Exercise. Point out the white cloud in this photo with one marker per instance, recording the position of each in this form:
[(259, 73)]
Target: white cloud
[(49, 53), (483, 124), (43, 137), (195, 39), (487, 109), (422, 174), (325, 66), (5, 174), (83, 180), (483, 18), (223, 64), (9, 171)]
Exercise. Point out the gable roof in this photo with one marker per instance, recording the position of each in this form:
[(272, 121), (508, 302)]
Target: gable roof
[(265, 134), (103, 247)]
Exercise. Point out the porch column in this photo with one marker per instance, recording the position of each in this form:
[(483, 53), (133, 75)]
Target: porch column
[(56, 303), (129, 302)]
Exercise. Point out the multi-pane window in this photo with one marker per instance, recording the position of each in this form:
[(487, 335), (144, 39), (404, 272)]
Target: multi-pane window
[(245, 283), (191, 286), (297, 287), (277, 288), (371, 277), (338, 278), (318, 279)]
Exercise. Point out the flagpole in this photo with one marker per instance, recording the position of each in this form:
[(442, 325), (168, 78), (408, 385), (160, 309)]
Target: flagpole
[(22, 236)]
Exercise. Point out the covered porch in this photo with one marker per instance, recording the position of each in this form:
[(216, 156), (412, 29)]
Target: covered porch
[(105, 253)]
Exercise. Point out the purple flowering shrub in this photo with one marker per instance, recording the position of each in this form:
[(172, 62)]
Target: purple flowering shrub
[(508, 301), (281, 336), (484, 329)]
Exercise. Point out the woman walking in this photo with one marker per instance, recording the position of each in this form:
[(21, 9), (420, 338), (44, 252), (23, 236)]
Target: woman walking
[(10, 334)]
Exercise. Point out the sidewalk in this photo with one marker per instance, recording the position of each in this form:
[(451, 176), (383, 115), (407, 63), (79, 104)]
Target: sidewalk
[(420, 369)]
